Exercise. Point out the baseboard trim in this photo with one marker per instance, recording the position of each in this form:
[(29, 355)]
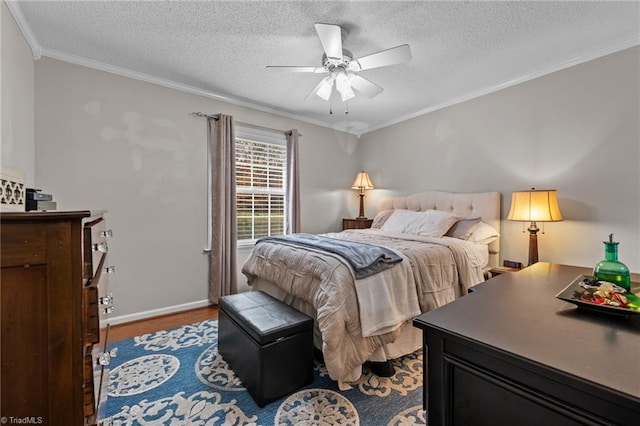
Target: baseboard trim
[(121, 319)]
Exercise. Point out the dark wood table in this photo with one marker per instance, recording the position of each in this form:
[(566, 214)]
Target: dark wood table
[(511, 353)]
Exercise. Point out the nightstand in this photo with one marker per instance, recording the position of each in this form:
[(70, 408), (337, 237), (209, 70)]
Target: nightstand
[(501, 270), (507, 266), (356, 223)]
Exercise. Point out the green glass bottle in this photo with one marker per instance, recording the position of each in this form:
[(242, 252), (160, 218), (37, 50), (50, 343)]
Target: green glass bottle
[(610, 269)]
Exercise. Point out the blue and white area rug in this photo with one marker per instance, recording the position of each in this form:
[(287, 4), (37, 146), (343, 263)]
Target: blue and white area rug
[(176, 377)]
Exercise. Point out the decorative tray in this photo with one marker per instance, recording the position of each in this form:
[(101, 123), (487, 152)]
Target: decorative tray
[(581, 292)]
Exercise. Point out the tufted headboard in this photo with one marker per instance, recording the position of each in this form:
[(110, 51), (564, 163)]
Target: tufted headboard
[(485, 205)]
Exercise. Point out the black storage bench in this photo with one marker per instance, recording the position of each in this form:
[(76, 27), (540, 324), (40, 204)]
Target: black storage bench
[(267, 343)]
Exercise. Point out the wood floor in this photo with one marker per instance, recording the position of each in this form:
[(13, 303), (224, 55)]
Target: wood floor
[(151, 325)]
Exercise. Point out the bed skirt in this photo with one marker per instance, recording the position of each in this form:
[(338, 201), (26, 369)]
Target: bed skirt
[(409, 340)]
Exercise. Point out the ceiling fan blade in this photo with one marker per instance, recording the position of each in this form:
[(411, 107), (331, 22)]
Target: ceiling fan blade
[(331, 39), (316, 70), (366, 87), (392, 56)]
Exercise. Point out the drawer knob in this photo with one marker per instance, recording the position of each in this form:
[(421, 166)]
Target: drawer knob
[(106, 300), (109, 270), (101, 247), (104, 358), (107, 234)]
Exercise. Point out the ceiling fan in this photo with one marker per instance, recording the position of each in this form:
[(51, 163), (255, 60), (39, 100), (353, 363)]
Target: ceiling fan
[(342, 66)]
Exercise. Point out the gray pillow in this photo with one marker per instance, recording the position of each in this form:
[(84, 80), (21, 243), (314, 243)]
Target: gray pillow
[(463, 228), (381, 218)]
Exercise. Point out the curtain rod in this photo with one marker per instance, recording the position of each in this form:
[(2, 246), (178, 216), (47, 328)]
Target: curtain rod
[(217, 116), (203, 115)]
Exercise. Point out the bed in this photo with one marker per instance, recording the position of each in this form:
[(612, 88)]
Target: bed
[(369, 319)]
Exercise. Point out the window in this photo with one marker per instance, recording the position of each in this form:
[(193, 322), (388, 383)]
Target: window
[(260, 185)]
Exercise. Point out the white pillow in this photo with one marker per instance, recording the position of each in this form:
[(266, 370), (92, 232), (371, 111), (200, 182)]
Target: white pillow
[(483, 234), (430, 223), (398, 220)]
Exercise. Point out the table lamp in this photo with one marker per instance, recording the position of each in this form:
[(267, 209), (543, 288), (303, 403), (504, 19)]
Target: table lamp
[(536, 205), (361, 183)]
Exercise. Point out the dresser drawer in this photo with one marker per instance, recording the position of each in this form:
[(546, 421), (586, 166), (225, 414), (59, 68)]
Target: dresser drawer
[(96, 377), (97, 306), (91, 315), (97, 301), (96, 246), (101, 356), (89, 387)]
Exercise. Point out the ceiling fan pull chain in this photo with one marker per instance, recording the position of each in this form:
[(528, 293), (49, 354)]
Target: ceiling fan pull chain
[(346, 108), (330, 107)]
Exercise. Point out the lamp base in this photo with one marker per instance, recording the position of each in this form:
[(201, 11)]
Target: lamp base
[(361, 216), (533, 243)]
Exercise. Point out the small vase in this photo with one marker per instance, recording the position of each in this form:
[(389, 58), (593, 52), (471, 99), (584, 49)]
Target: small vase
[(610, 269)]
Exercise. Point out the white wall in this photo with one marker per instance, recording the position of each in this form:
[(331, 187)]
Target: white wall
[(17, 98), (576, 130), (108, 142)]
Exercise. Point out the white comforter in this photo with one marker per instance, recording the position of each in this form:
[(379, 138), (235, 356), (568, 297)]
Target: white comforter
[(356, 317)]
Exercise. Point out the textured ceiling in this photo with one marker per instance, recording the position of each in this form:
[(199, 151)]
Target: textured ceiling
[(460, 49)]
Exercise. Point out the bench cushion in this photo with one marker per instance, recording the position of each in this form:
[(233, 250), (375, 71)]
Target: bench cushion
[(265, 318)]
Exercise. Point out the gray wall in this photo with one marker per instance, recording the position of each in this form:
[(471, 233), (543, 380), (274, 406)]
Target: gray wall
[(576, 130), (17, 145), (108, 142)]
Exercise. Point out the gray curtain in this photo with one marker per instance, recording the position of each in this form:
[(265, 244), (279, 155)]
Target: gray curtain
[(293, 184), (223, 275)]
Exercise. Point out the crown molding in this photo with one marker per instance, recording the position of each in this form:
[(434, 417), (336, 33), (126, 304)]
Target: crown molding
[(16, 11), (626, 44), (38, 51), (124, 72)]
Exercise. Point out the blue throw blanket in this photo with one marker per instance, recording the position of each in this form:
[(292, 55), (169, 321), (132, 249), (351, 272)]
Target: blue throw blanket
[(365, 259)]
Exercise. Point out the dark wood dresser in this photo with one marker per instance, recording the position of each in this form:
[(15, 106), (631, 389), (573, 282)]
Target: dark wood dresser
[(511, 353), (54, 308)]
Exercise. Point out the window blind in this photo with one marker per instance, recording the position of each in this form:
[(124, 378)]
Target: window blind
[(260, 188)]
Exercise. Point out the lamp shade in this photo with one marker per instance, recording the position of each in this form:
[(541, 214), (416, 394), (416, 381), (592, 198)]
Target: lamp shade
[(362, 181), (536, 205)]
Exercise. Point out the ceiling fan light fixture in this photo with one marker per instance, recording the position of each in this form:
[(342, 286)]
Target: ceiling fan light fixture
[(343, 85), (324, 91), (341, 65), (347, 94)]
